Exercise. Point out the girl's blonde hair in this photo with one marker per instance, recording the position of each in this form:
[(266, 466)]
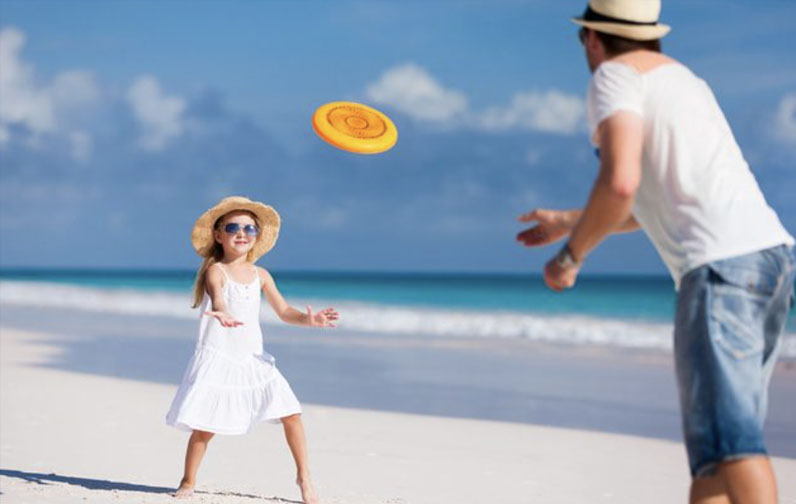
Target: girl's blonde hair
[(216, 254)]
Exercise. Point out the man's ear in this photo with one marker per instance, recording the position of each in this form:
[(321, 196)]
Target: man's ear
[(593, 41)]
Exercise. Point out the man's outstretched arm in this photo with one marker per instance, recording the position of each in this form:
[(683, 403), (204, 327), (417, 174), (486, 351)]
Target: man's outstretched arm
[(609, 207), (611, 201), (553, 225)]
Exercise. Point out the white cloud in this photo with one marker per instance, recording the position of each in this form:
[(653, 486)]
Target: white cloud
[(62, 106), (20, 101), (550, 112), (412, 90), (41, 109), (159, 116), (785, 119)]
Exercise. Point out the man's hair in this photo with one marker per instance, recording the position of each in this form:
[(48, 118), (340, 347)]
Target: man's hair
[(615, 45)]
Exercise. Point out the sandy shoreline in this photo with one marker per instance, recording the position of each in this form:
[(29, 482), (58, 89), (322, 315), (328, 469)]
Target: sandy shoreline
[(73, 431)]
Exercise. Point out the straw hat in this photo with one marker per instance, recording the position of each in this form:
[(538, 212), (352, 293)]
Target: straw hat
[(632, 19), (202, 234)]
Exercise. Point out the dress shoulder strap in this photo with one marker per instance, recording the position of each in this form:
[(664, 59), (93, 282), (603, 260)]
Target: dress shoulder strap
[(256, 275), (224, 272)]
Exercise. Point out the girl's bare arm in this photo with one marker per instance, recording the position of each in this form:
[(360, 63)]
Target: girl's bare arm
[(214, 283), (287, 313)]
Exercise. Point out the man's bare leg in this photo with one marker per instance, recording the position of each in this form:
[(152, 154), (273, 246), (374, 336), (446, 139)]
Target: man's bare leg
[(744, 481)]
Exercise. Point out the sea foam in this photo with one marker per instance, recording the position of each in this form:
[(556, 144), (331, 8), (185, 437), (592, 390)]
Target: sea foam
[(374, 318)]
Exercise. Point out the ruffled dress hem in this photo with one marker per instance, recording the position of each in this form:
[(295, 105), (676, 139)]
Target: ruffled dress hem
[(225, 396), (190, 425)]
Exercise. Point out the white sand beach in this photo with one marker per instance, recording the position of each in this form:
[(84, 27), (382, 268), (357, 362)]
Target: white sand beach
[(77, 426)]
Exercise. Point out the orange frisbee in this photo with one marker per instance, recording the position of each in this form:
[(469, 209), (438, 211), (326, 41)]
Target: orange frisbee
[(354, 127)]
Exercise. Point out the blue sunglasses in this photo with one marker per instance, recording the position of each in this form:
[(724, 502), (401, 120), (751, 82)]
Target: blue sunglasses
[(249, 229)]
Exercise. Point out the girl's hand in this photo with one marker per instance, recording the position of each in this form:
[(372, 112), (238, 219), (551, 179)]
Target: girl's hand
[(323, 318), (552, 225), (224, 318)]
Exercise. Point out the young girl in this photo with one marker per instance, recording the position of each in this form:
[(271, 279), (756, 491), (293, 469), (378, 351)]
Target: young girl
[(231, 383)]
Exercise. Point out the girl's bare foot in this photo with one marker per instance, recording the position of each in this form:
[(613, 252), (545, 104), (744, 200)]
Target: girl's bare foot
[(185, 490), (308, 495)]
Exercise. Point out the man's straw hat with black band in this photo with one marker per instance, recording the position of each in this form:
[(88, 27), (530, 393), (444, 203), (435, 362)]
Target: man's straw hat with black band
[(632, 19), (268, 220)]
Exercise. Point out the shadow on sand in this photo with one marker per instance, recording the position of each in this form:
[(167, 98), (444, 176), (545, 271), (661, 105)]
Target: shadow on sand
[(97, 484)]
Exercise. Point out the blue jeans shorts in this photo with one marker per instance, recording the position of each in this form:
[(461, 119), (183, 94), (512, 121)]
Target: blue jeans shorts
[(730, 317)]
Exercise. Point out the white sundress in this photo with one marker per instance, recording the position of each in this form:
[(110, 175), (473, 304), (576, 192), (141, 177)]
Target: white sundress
[(231, 383)]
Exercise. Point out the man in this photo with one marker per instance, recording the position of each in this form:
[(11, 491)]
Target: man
[(670, 165)]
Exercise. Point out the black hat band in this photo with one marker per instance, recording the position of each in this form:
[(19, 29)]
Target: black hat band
[(591, 15)]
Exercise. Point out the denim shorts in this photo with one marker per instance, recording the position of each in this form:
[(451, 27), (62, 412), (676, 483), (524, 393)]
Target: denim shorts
[(730, 317)]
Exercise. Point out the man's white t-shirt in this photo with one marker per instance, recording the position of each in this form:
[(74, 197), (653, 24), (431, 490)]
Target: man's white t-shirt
[(697, 201)]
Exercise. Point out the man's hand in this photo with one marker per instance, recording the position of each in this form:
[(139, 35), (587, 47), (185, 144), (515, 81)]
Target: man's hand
[(559, 278), (552, 225)]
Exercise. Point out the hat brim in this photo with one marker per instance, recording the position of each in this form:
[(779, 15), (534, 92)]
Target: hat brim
[(633, 32), (202, 237)]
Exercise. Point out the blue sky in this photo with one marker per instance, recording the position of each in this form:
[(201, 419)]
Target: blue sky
[(120, 122)]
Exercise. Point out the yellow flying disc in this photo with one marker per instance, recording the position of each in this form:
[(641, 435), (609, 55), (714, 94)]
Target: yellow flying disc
[(354, 127)]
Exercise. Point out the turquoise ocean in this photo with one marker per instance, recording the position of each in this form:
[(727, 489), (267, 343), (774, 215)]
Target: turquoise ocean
[(623, 310)]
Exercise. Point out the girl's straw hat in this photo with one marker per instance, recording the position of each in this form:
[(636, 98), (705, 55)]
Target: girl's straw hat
[(202, 234), (632, 19)]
